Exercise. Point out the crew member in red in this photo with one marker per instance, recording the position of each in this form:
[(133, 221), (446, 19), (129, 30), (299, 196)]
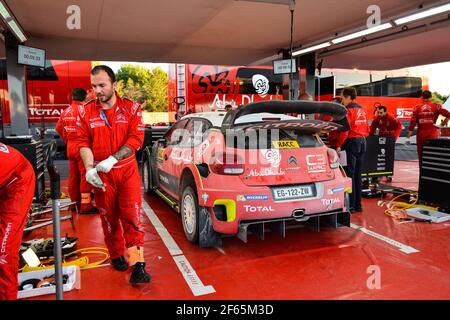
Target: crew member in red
[(386, 123), (333, 136), (17, 182), (79, 189), (111, 130), (353, 142), (425, 116)]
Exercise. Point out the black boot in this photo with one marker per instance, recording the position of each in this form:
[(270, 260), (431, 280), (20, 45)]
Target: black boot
[(139, 275), (120, 264), (93, 210)]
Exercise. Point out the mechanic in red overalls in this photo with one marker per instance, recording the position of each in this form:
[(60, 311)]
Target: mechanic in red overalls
[(111, 130), (17, 182), (386, 123), (333, 136), (354, 144), (425, 116), (79, 189)]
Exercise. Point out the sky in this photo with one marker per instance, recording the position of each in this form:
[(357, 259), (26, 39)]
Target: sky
[(438, 74)]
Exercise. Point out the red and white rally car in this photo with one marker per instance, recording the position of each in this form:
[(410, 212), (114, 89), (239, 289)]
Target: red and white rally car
[(254, 167)]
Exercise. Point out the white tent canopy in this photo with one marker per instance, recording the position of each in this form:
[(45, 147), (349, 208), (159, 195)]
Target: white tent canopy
[(227, 32)]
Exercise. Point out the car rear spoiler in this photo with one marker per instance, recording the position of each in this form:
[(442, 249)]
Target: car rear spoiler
[(310, 126), (334, 110)]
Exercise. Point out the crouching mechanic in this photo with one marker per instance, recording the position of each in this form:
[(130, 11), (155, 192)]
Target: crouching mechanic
[(386, 123), (111, 130), (17, 182)]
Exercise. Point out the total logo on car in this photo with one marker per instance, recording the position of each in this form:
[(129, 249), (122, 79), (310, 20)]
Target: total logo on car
[(226, 171)]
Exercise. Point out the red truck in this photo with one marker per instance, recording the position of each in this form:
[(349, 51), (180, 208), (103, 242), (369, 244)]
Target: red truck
[(49, 93)]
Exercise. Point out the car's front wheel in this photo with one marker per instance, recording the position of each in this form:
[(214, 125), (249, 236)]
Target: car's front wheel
[(189, 210)]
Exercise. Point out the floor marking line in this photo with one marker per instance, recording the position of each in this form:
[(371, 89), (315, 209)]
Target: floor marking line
[(190, 276), (403, 247)]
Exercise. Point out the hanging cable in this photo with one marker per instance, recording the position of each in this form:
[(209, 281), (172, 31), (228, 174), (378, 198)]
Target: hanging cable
[(291, 76)]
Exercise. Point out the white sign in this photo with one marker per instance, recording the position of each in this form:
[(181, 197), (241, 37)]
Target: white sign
[(284, 66), (31, 56)]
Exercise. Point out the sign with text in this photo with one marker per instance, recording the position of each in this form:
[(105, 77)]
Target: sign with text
[(284, 66), (31, 56)]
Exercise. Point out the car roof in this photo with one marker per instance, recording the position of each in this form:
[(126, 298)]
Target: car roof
[(216, 118)]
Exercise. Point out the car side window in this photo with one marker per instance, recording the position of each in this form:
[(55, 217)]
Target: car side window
[(194, 132), (176, 132)]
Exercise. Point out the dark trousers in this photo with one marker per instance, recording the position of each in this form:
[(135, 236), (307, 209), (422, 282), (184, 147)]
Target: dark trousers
[(355, 149)]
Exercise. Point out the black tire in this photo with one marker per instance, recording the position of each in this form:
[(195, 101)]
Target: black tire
[(146, 174), (347, 201), (189, 211)]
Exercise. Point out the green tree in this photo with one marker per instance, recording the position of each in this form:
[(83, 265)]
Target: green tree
[(148, 87), (437, 98)]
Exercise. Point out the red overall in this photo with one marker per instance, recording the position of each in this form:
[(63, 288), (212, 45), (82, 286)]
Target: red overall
[(388, 126), (17, 182), (105, 132), (425, 116), (79, 188)]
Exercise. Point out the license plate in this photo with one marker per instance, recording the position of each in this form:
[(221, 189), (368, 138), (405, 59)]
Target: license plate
[(294, 192)]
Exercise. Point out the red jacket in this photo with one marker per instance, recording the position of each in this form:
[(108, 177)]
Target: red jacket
[(106, 131), (12, 164), (388, 126), (425, 116), (67, 123), (359, 127)]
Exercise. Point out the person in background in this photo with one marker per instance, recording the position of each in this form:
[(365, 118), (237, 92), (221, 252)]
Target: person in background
[(17, 182), (228, 107), (79, 189), (386, 123), (353, 142), (425, 116)]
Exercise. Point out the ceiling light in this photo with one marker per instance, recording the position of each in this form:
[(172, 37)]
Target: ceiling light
[(17, 30), (365, 32), (310, 49), (11, 22), (423, 14), (4, 12)]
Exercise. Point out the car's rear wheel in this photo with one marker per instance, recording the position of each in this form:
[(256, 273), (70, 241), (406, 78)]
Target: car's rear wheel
[(147, 176), (189, 210), (347, 201)]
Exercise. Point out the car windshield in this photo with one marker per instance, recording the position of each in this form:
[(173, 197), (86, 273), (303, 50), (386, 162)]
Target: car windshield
[(265, 139)]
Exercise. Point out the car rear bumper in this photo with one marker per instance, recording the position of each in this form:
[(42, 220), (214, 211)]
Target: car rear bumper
[(230, 208)]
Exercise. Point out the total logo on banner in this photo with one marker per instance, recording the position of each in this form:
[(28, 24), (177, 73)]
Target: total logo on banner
[(253, 209), (404, 113)]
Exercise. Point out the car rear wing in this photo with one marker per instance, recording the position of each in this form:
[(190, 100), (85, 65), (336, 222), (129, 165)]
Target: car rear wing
[(334, 110), (309, 126)]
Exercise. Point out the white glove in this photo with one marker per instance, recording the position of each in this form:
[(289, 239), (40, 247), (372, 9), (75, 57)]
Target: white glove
[(106, 165), (93, 178)]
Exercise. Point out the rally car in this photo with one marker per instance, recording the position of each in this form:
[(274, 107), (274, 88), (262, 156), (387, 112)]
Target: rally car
[(251, 168)]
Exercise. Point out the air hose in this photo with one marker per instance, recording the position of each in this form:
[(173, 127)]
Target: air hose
[(82, 262), (397, 210)]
